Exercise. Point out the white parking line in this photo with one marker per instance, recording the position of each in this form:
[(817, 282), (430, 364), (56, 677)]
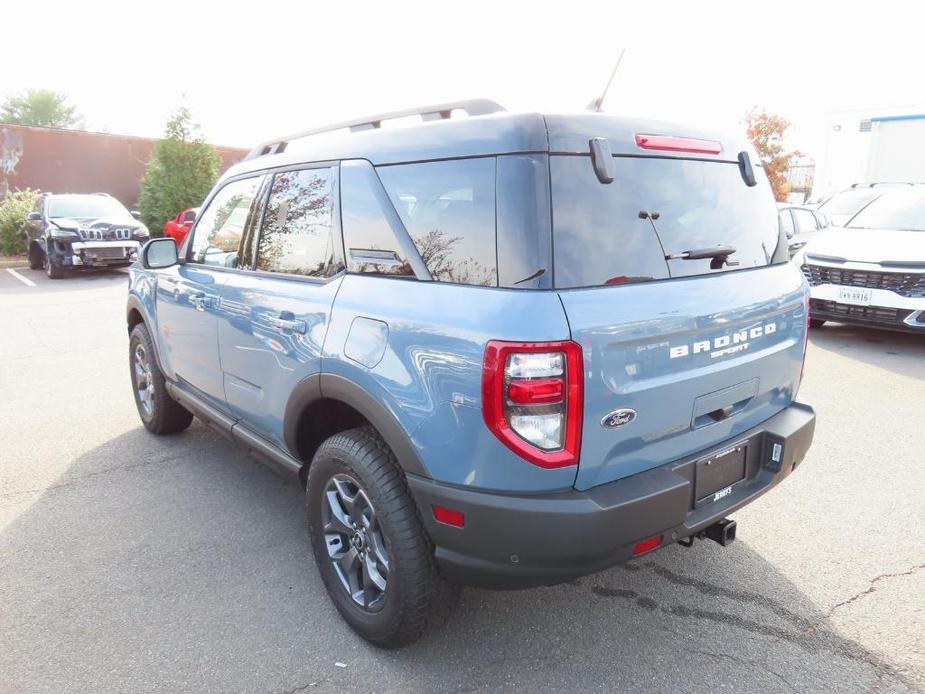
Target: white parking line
[(25, 280)]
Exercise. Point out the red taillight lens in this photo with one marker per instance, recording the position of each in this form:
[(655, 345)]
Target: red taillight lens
[(448, 516), (537, 391), (532, 399), (647, 545), (669, 143)]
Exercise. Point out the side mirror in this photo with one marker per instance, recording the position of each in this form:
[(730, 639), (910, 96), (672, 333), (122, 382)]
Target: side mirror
[(136, 214), (35, 217), (159, 253)]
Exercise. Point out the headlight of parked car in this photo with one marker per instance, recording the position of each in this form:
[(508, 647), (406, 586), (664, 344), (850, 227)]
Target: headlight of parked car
[(64, 235), (141, 233)]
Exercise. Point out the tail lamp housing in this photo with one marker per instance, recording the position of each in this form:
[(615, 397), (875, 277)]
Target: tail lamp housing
[(532, 399)]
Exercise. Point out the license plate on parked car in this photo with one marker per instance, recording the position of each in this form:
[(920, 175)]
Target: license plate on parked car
[(854, 296)]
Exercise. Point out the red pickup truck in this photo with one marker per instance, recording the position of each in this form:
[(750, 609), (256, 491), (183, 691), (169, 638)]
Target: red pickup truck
[(178, 227)]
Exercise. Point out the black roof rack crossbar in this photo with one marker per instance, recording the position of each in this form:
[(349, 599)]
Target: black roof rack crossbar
[(472, 107)]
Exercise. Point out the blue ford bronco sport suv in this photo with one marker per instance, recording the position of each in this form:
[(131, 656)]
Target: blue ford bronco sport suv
[(501, 350)]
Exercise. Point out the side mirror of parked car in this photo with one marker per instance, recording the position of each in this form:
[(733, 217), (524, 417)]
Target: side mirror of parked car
[(35, 217), (136, 214), (159, 253)]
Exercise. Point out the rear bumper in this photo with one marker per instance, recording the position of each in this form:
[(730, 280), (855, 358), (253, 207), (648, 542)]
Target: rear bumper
[(522, 541)]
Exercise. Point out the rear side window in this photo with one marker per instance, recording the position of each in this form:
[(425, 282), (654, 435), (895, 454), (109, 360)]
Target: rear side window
[(296, 236), (448, 208), (805, 220), (621, 232), (786, 223), (369, 240), (217, 235)]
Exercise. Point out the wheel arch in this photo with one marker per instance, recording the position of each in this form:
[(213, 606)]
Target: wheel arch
[(325, 404)]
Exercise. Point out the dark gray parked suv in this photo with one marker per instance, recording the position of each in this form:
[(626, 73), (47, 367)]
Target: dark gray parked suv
[(72, 231)]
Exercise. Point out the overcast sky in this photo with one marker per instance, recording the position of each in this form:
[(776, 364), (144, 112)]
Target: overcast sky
[(250, 71)]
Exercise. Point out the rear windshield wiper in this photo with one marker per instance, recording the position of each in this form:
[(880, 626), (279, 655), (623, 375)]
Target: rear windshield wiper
[(719, 254)]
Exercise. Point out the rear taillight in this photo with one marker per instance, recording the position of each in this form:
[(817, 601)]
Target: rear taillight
[(669, 143), (532, 399)]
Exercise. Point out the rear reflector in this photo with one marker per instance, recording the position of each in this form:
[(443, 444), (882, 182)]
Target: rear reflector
[(647, 545), (669, 143), (449, 516)]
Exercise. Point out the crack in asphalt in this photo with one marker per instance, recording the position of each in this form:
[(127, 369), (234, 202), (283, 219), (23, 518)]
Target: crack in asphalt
[(90, 475), (809, 635), (872, 587), (304, 687)]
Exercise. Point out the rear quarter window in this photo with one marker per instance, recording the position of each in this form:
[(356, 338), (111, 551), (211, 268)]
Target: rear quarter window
[(599, 237), (448, 208)]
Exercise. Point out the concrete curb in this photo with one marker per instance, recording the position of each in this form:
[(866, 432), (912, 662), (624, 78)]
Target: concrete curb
[(7, 261)]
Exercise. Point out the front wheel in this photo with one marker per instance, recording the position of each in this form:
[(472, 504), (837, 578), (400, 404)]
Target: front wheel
[(373, 554), (52, 269), (159, 412)]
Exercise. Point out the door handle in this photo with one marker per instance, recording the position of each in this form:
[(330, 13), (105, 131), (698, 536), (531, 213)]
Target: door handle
[(201, 302), (288, 323)]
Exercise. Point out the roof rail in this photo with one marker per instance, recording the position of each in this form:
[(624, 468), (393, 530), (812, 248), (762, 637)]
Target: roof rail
[(874, 184), (472, 107)]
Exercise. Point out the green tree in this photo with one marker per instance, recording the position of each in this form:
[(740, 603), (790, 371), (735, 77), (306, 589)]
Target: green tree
[(14, 209), (41, 107), (766, 133), (182, 170)]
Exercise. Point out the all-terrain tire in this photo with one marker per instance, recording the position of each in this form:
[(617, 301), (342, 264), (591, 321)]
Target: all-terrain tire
[(416, 596), (165, 415)]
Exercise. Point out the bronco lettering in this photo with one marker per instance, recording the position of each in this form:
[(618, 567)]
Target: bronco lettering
[(719, 346)]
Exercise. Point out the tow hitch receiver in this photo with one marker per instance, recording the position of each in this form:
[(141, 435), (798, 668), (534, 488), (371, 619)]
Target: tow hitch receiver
[(722, 532)]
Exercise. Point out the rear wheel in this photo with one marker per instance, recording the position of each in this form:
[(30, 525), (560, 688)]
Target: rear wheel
[(36, 257), (374, 557), (816, 322), (159, 412)]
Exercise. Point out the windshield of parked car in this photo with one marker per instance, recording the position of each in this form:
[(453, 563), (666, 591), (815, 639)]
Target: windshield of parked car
[(900, 210), (80, 206), (848, 202)]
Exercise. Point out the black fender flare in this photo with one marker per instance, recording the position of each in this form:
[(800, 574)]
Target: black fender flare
[(134, 304), (331, 386)]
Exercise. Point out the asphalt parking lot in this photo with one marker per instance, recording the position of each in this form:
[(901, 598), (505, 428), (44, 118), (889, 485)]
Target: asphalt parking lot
[(135, 563)]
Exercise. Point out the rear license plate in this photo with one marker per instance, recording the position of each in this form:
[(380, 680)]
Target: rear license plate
[(715, 475), (854, 296)]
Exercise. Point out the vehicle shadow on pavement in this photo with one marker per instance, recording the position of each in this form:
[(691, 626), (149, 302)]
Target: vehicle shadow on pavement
[(899, 352), (179, 563)]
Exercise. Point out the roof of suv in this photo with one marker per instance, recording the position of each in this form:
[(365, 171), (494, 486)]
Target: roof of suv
[(487, 135)]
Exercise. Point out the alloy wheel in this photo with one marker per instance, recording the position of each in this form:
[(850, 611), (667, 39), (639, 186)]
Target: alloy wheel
[(144, 381), (354, 542)]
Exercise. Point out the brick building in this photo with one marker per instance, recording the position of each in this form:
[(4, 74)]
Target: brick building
[(75, 161)]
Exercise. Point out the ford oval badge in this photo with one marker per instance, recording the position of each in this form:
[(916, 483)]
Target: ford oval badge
[(618, 418)]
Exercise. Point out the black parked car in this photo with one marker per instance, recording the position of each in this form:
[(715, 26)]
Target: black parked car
[(72, 231)]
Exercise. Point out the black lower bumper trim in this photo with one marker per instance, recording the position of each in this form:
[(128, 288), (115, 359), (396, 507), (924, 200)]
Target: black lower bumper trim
[(522, 541)]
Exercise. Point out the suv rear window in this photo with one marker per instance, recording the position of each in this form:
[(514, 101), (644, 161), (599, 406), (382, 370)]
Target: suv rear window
[(448, 208), (599, 237)]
